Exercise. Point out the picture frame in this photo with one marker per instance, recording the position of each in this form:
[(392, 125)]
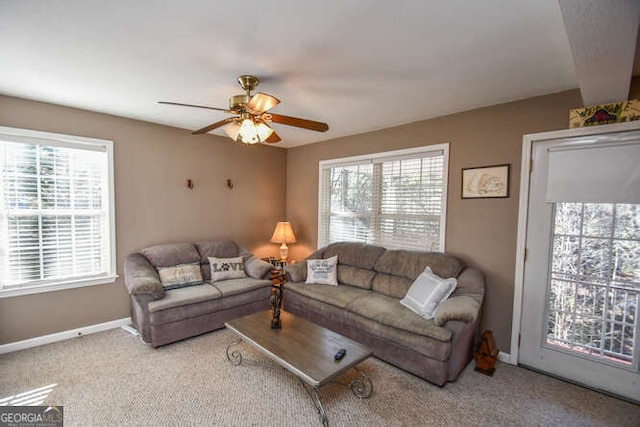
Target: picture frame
[(486, 182)]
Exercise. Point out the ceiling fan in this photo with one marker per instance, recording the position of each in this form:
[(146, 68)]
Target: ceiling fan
[(250, 124)]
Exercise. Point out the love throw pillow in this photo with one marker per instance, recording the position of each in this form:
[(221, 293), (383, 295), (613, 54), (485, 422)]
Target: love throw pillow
[(226, 268), (427, 292), (323, 271)]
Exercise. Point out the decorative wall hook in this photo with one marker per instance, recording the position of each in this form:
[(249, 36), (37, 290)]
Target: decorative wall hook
[(190, 184), (229, 184)]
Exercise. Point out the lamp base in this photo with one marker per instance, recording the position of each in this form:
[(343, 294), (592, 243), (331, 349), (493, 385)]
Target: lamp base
[(284, 252)]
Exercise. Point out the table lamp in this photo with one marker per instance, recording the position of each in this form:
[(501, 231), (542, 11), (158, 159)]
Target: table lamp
[(283, 234)]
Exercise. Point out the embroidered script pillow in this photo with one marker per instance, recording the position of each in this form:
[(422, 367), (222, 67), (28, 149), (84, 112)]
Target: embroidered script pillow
[(226, 268), (323, 271), (427, 292), (180, 276)]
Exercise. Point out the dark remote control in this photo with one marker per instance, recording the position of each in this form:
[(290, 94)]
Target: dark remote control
[(340, 354)]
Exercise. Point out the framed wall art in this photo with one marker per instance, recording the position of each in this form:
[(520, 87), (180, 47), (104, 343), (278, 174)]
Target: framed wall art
[(485, 182)]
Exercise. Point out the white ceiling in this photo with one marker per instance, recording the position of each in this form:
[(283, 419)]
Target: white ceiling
[(357, 65)]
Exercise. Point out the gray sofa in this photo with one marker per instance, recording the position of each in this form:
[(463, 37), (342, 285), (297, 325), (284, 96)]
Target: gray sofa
[(365, 306), (164, 316)]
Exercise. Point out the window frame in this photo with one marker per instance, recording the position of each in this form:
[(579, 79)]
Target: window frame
[(427, 150), (11, 134)]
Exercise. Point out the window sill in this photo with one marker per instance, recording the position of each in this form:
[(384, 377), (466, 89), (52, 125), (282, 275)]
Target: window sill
[(38, 289)]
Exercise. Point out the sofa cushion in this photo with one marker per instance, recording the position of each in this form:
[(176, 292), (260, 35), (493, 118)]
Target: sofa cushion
[(226, 268), (388, 311), (256, 268), (220, 248), (180, 276), (355, 276), (410, 264), (392, 286), (339, 296), (237, 286), (323, 271), (171, 254), (187, 312), (427, 292), (185, 296), (362, 329), (397, 269), (355, 254)]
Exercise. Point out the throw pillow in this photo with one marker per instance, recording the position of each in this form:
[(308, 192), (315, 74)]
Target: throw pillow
[(180, 276), (427, 292), (226, 268), (323, 271)]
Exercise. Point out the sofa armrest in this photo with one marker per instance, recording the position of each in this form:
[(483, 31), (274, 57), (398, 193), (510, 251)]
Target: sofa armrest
[(461, 307), (141, 278), (298, 272), (465, 302)]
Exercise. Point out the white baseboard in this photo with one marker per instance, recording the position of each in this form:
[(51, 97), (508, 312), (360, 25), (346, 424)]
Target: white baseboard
[(61, 336), (505, 357)]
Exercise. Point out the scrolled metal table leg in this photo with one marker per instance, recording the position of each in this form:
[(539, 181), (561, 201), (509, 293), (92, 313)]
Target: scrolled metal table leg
[(315, 397), (361, 387), (234, 357)]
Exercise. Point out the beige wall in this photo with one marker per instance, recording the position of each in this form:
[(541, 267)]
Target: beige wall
[(483, 232), (153, 205)]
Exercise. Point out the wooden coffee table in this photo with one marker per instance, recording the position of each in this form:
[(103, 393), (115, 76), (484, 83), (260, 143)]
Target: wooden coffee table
[(305, 349)]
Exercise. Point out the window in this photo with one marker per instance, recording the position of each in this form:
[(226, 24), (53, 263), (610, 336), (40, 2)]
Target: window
[(394, 199), (594, 281), (56, 212)]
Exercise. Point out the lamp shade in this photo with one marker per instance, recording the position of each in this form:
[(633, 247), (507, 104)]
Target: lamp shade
[(248, 132), (232, 130), (283, 233)]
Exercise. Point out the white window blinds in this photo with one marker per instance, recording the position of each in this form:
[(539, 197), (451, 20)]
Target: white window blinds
[(396, 200), (55, 213)]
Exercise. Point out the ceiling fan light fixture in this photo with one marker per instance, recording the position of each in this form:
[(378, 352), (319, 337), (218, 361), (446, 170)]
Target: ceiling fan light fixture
[(248, 132), (249, 123), (264, 131), (232, 130)]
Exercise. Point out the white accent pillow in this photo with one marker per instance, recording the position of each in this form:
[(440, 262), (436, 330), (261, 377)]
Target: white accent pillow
[(226, 268), (323, 271), (180, 276), (427, 292)]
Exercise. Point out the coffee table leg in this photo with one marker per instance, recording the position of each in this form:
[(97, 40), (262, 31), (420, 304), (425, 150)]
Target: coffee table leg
[(234, 357), (315, 397), (361, 387)]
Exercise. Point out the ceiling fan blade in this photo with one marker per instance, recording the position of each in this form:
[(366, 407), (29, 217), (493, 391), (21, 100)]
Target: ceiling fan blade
[(197, 106), (273, 138), (213, 126), (261, 102), (301, 123)]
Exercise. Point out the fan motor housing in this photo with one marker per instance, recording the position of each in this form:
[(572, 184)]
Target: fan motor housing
[(238, 102)]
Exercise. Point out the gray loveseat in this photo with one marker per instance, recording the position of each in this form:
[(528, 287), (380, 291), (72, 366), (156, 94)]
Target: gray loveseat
[(365, 306), (163, 316)]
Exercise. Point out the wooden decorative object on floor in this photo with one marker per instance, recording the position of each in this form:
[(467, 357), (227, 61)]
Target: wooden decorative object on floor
[(486, 355)]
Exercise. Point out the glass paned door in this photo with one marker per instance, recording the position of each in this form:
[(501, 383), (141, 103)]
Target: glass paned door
[(594, 281), (581, 274)]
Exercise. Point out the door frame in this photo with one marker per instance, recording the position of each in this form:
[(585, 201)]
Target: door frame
[(523, 213)]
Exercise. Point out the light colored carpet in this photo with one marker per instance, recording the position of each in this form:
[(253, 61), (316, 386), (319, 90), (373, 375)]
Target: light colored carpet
[(112, 378)]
